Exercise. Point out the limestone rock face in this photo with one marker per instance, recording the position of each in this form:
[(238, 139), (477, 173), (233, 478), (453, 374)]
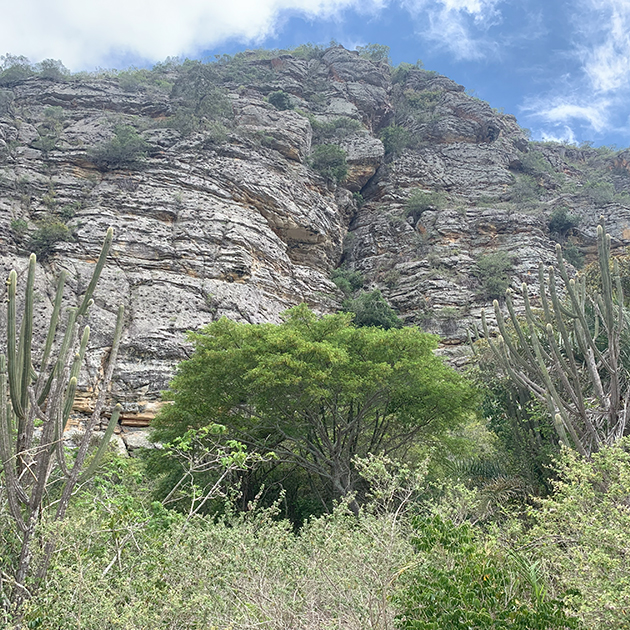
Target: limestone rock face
[(223, 214)]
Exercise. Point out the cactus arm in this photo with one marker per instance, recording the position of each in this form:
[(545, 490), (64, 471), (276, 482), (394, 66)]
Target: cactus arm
[(6, 452), (54, 320), (26, 338), (98, 408), (100, 263), (12, 359), (102, 448)]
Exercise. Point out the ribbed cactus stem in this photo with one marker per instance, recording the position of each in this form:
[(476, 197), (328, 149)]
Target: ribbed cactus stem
[(102, 448), (78, 358), (26, 339), (54, 321), (12, 355), (100, 263), (69, 401)]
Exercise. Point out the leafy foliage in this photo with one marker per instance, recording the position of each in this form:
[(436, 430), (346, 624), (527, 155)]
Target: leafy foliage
[(420, 201), (463, 585), (49, 232), (580, 534), (280, 100), (561, 223), (14, 69), (395, 139), (330, 161), (125, 150), (347, 280), (371, 309), (493, 272), (317, 392), (377, 53)]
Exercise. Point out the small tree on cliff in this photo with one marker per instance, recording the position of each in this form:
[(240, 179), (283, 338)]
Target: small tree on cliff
[(316, 391)]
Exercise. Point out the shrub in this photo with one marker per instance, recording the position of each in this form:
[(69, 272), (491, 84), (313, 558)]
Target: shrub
[(561, 223), (53, 70), (47, 235), (460, 583), (19, 227), (493, 272), (573, 255), (330, 161), (600, 193), (402, 71), (420, 201), (395, 139), (371, 309), (336, 128), (280, 100), (125, 149), (14, 69), (377, 53), (526, 189), (347, 280)]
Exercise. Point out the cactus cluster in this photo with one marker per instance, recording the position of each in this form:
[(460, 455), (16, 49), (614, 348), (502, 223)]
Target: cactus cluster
[(39, 389), (568, 354)]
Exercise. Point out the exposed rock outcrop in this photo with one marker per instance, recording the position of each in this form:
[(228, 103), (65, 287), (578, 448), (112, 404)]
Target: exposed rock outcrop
[(226, 216)]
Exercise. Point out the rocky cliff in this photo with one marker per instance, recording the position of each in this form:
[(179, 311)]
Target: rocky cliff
[(208, 174)]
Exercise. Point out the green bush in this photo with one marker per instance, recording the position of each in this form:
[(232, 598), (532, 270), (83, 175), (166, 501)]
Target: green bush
[(580, 534), (420, 201), (53, 70), (336, 128), (280, 100), (493, 272), (197, 90), (125, 150), (47, 235), (330, 161), (599, 193), (347, 280), (573, 255), (14, 69), (402, 71), (460, 583), (377, 53), (371, 309), (395, 139), (561, 223), (526, 190)]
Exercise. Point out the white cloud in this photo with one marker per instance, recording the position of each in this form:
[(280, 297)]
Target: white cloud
[(604, 43), (562, 114), (459, 25), (86, 33), (564, 135)]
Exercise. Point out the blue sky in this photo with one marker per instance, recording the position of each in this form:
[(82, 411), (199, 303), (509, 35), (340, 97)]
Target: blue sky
[(563, 68)]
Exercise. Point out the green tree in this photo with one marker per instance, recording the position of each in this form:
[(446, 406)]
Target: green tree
[(316, 391), (377, 53)]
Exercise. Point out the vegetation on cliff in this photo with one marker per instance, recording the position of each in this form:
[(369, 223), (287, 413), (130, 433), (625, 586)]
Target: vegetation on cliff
[(320, 471)]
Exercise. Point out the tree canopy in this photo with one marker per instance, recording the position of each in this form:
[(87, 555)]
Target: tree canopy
[(316, 391)]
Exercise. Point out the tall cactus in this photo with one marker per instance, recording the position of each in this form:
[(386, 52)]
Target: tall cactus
[(569, 355), (40, 388)]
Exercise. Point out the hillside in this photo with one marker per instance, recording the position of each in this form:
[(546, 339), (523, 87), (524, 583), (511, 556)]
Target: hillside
[(220, 182)]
